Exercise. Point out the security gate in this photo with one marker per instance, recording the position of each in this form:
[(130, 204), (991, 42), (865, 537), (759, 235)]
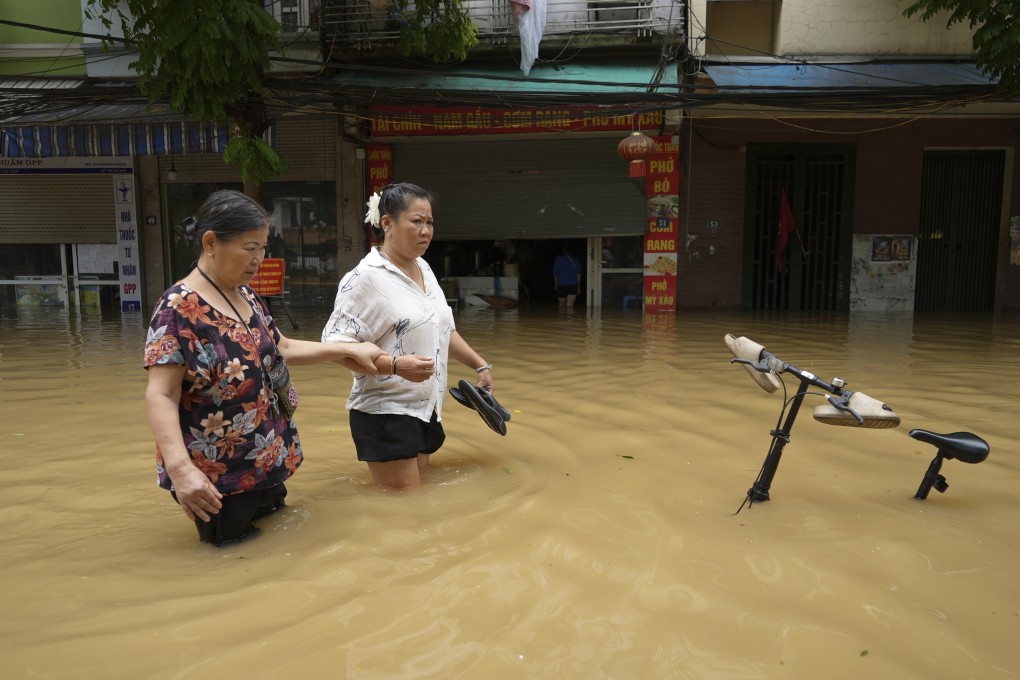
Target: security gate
[(961, 211), (815, 273)]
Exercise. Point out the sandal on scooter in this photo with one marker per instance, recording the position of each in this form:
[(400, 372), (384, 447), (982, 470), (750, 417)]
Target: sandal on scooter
[(484, 403)]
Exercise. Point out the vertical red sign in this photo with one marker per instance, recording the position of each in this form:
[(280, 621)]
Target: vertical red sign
[(378, 173), (662, 188)]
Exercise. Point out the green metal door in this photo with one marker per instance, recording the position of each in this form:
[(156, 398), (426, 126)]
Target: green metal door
[(816, 262)]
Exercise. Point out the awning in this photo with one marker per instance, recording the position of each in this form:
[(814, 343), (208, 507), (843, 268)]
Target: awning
[(45, 119), (113, 139), (485, 85), (755, 77)]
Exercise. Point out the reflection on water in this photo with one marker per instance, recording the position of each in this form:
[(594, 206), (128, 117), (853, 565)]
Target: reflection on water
[(596, 540)]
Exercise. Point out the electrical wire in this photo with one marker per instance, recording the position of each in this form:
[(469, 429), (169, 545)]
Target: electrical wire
[(325, 93)]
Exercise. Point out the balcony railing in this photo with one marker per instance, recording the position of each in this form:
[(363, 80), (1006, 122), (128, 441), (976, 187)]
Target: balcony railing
[(295, 16), (364, 24)]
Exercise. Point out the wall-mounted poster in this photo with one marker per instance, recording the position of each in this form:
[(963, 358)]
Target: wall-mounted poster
[(891, 248), (97, 258)]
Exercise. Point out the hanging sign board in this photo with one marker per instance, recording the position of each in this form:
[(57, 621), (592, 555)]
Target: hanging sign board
[(400, 121)]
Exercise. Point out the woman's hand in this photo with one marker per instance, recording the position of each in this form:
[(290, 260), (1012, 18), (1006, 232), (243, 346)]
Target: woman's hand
[(362, 353), (195, 493), (197, 496), (485, 381), (415, 367)]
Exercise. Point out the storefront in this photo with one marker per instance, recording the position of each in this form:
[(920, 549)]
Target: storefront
[(69, 232), (510, 201), (309, 230)]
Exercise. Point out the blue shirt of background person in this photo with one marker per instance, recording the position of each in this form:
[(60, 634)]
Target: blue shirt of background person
[(567, 270), (567, 278)]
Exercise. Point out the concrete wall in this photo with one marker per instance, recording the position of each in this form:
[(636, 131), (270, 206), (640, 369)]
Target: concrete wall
[(33, 52), (881, 285), (853, 28)]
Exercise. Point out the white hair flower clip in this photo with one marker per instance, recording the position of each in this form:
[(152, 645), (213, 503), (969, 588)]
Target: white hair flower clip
[(372, 216)]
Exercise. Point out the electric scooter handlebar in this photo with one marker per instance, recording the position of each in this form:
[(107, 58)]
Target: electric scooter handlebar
[(864, 411), (846, 408), (748, 352)]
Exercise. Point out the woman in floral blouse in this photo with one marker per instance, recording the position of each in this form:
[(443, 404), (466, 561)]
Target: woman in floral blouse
[(225, 439)]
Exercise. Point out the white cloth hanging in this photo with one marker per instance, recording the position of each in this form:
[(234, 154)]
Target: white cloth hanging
[(530, 18)]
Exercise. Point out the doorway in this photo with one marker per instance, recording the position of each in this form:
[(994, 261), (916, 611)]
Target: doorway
[(616, 272), (815, 271), (958, 236)]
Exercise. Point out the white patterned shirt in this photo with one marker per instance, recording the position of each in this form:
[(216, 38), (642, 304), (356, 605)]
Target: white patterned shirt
[(376, 302)]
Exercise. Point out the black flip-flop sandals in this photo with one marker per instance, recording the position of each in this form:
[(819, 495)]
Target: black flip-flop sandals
[(494, 415)]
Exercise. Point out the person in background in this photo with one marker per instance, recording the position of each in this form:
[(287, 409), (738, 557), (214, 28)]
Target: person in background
[(392, 298), (219, 398), (567, 279)]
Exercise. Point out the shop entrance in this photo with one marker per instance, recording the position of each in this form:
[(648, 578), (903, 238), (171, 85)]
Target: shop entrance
[(521, 269), (611, 276), (617, 271), (41, 275)]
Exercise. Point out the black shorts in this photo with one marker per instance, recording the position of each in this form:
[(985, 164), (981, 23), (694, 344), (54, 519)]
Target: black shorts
[(383, 437), (564, 291)]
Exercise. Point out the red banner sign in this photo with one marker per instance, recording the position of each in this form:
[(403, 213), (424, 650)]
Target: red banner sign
[(662, 186), (268, 282), (378, 167), (378, 173), (436, 120)]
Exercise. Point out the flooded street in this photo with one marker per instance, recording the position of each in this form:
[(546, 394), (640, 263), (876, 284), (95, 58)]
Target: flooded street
[(596, 540)]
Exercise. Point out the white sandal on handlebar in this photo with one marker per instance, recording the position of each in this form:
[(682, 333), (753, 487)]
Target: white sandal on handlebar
[(876, 415), (749, 350)]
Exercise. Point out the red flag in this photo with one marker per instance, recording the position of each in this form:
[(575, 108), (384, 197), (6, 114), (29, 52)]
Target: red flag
[(787, 225)]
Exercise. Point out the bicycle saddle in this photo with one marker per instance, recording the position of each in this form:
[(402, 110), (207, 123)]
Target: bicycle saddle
[(963, 446)]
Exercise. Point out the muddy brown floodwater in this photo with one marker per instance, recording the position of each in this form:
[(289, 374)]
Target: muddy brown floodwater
[(596, 540)]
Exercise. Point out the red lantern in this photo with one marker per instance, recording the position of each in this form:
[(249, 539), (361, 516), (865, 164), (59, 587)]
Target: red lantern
[(636, 148)]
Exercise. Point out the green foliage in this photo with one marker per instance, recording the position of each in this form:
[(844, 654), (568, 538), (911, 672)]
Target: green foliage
[(996, 25), (439, 29), (204, 56), (254, 159), (207, 58)]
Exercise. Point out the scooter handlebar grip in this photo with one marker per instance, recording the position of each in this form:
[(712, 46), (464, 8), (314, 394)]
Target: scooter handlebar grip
[(748, 350), (875, 414)]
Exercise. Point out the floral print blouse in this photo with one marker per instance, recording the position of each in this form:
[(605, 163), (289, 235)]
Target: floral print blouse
[(231, 427)]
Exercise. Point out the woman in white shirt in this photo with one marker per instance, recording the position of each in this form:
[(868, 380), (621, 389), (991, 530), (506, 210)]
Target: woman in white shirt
[(393, 299)]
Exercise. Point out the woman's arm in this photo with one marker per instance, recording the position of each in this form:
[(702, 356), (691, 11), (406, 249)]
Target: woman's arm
[(361, 357), (197, 496), (462, 352)]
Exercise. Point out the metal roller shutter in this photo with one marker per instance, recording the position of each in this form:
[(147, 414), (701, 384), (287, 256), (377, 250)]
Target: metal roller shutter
[(525, 189), (307, 144), (65, 209)]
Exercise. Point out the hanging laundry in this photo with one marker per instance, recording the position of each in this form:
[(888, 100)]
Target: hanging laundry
[(520, 7), (530, 18)]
